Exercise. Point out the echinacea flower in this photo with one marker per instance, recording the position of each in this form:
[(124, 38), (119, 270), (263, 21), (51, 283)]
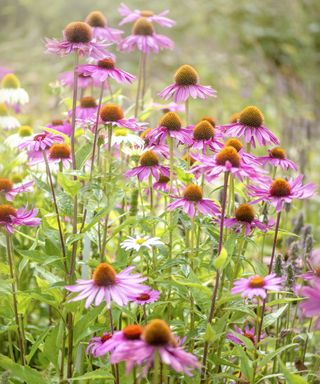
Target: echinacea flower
[(136, 243), (86, 110), (311, 305), (112, 114), (193, 201), (314, 265), (277, 157), (83, 82), (96, 342), (170, 124), (250, 127), (145, 39), (101, 30), (11, 217), (60, 153), (78, 37), (62, 126), (11, 92), (169, 107), (131, 16), (226, 160), (7, 121), (126, 338), (108, 285), (281, 191), (162, 184), (257, 286), (187, 85), (104, 69), (10, 191), (156, 339), (147, 297), (149, 165), (41, 141), (204, 137), (245, 219), (249, 332), (247, 158)]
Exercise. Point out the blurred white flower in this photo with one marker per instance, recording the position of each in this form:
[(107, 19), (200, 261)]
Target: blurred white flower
[(137, 243)]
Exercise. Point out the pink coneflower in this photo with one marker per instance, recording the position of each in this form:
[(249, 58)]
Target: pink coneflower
[(86, 110), (145, 39), (149, 165), (311, 305), (104, 69), (100, 28), (257, 286), (147, 297), (193, 201), (67, 80), (250, 127), (131, 16), (170, 124), (60, 153), (62, 126), (187, 85), (281, 191), (162, 184), (77, 37), (277, 157), (204, 137), (247, 158), (108, 285), (112, 114), (227, 160), (126, 338), (41, 141), (249, 332), (245, 219), (96, 343), (156, 339), (10, 191), (11, 217)]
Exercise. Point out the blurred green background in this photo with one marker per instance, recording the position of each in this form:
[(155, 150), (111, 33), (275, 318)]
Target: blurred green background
[(252, 51)]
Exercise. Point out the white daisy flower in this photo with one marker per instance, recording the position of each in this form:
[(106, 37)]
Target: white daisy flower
[(17, 138), (123, 136), (137, 243), (134, 151), (6, 121), (11, 91)]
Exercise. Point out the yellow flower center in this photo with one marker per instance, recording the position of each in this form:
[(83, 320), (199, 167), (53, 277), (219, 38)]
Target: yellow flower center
[(235, 143), (96, 19), (251, 116), (171, 121), (104, 275), (143, 27), (203, 131), (88, 102), (6, 211), (5, 185), (193, 193), (245, 213), (149, 159), (186, 75), (132, 332), (111, 112), (106, 63), (25, 131), (257, 282), (228, 154), (60, 151), (280, 188), (278, 153), (10, 81), (158, 333), (78, 32)]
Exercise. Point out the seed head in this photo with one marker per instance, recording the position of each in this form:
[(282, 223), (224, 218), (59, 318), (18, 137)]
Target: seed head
[(146, 13), (193, 193), (203, 131), (186, 75), (106, 63), (234, 118), (280, 188), (78, 32), (278, 153), (104, 275), (111, 112), (60, 151), (210, 120), (88, 102), (132, 332), (5, 185), (257, 282), (163, 179), (245, 212), (149, 159), (96, 19), (157, 333), (57, 122), (6, 211), (143, 27), (25, 131), (10, 81), (171, 121), (228, 154), (235, 143), (251, 116)]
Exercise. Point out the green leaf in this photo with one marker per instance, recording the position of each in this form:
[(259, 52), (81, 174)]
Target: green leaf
[(37, 344), (245, 364), (210, 334), (83, 154), (273, 354), (272, 317), (70, 186), (221, 261), (101, 373), (27, 374)]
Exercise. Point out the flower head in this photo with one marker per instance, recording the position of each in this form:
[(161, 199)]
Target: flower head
[(10, 191), (131, 16), (62, 126), (205, 136), (249, 125), (6, 121), (104, 69), (41, 141), (112, 114), (100, 28), (186, 85), (257, 286), (11, 217), (11, 91), (193, 201), (311, 305), (96, 343), (149, 165), (108, 285), (247, 331), (277, 157), (60, 152), (145, 39), (245, 219), (86, 110), (139, 242), (147, 297), (77, 37), (281, 191)]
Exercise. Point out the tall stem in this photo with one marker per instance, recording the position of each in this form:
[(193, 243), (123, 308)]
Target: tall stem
[(215, 291), (14, 287), (57, 211), (136, 109), (187, 111), (144, 78), (74, 105)]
